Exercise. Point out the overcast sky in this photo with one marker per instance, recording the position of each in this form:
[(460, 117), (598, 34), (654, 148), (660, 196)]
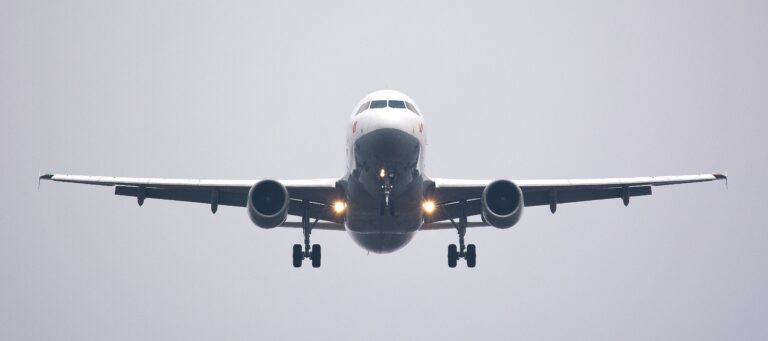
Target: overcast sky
[(537, 89)]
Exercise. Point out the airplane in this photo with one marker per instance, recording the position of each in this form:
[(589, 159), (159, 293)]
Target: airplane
[(385, 197)]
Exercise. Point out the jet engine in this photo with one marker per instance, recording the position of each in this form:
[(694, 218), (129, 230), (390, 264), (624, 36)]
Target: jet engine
[(268, 202), (502, 204)]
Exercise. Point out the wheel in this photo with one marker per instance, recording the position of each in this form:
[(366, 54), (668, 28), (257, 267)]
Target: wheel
[(453, 255), (298, 255), (315, 255), (471, 255)]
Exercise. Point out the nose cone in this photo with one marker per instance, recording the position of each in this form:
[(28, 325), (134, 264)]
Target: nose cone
[(387, 118), (387, 147)]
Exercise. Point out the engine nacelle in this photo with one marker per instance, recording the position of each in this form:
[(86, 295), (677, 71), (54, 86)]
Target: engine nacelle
[(268, 203), (502, 204)]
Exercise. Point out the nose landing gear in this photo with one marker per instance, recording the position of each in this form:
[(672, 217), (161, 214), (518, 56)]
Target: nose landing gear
[(314, 253), (468, 252), (386, 178)]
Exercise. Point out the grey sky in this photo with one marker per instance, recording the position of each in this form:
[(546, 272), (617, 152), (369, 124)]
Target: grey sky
[(259, 90)]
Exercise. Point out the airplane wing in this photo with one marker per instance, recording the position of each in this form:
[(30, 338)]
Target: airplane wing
[(320, 193), (450, 192)]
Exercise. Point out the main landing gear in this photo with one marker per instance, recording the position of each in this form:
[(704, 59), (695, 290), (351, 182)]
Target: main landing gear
[(313, 253), (470, 251)]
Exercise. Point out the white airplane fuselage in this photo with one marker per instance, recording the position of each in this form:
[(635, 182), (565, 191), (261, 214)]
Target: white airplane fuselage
[(385, 172)]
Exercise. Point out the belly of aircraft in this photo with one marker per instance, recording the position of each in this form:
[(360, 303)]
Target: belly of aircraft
[(373, 225)]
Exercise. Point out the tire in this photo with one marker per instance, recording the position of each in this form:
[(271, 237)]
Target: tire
[(453, 255), (298, 255), (316, 254), (471, 255)]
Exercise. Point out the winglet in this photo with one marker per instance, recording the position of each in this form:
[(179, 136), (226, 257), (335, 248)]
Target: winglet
[(720, 176), (43, 177)]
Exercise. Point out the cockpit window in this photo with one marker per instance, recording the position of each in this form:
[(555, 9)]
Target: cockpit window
[(378, 104), (363, 108), (411, 107), (395, 104)]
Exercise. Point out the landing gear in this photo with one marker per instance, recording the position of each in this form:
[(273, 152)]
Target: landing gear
[(298, 255), (386, 185), (314, 252), (468, 252), (471, 255), (453, 256), (315, 255)]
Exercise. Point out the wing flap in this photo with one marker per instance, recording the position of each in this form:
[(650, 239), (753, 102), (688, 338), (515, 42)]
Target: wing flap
[(542, 197), (316, 211), (453, 211), (319, 192), (321, 225), (203, 196), (448, 192), (447, 225)]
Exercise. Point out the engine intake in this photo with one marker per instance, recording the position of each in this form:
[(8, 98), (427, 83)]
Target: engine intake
[(268, 203), (502, 204)]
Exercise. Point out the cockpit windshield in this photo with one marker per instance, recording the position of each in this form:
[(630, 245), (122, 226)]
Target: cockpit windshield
[(363, 107), (379, 104), (411, 108)]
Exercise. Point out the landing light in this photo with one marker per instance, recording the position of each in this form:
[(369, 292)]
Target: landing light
[(339, 206), (382, 173), (428, 206)]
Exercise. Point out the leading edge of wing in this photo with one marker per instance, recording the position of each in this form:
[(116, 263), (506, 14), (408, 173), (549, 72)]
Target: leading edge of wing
[(584, 183), (170, 183)]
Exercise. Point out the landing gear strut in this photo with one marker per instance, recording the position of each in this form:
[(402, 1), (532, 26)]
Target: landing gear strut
[(468, 252), (314, 252), (386, 185)]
